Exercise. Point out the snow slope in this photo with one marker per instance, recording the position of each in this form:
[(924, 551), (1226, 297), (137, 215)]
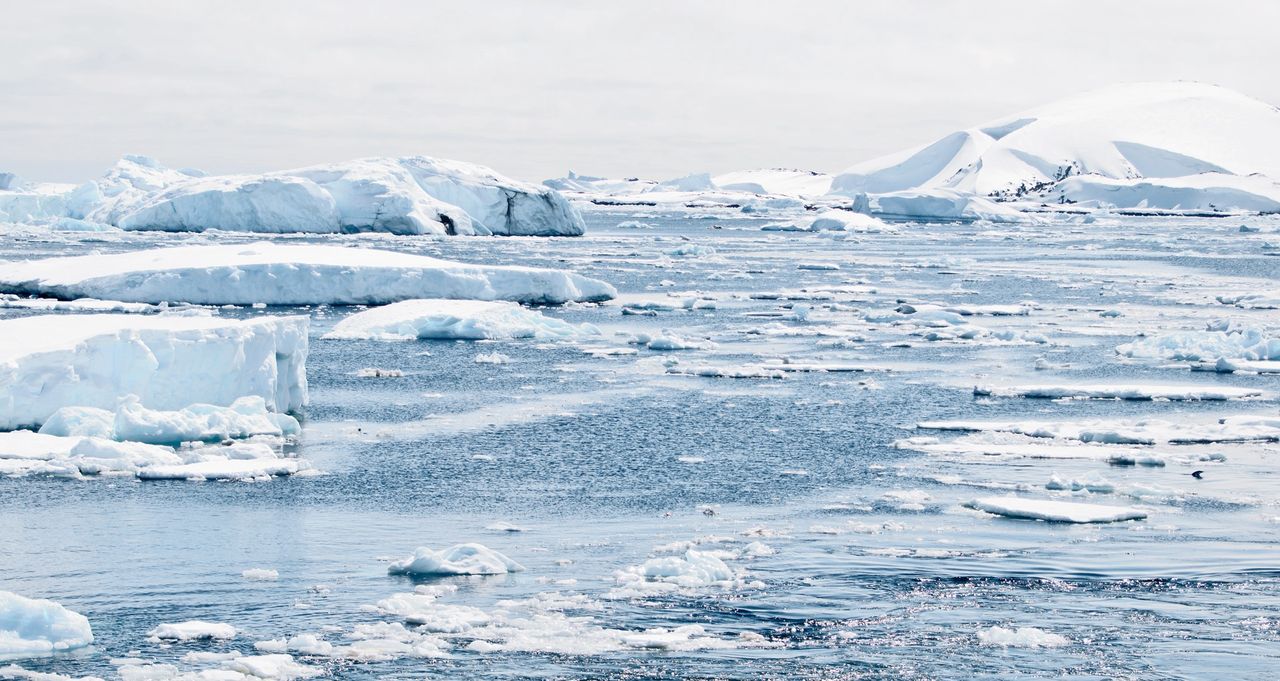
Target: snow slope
[(1121, 133), (290, 274), (407, 195), (52, 361)]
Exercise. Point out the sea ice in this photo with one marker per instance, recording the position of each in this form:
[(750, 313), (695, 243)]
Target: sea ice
[(1055, 511), (33, 627), (460, 559)]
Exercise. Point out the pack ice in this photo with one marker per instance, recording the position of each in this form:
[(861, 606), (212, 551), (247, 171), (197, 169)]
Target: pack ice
[(53, 361), (290, 274), (32, 627), (407, 195)]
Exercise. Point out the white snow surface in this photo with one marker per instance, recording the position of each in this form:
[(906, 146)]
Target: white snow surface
[(460, 559), (455, 319), (49, 362), (1055, 511), (405, 195), (34, 627), (290, 274)]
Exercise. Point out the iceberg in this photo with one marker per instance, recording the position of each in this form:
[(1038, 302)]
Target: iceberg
[(49, 362), (455, 319), (1173, 146), (406, 195), (32, 627), (290, 274)]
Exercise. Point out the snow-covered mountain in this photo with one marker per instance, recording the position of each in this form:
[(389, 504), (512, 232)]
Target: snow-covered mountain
[(408, 195), (1118, 146)]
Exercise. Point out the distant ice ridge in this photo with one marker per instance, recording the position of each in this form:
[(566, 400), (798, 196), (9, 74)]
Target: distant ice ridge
[(406, 195), (290, 274), (53, 361), (1183, 146), (32, 627), (455, 319)]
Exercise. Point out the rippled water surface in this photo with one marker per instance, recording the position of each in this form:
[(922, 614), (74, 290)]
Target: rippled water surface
[(606, 460)]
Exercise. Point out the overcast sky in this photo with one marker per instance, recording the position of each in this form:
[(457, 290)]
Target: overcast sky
[(534, 89)]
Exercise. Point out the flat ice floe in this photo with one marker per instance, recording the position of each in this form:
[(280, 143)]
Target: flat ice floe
[(1055, 511), (34, 627), (290, 274), (55, 361), (455, 319), (1118, 392), (460, 559)]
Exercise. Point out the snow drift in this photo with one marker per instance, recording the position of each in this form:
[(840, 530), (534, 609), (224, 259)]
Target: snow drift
[(406, 195), (53, 361), (285, 274)]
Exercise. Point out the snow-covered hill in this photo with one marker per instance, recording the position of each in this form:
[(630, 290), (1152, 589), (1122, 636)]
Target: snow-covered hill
[(1126, 141), (409, 195)]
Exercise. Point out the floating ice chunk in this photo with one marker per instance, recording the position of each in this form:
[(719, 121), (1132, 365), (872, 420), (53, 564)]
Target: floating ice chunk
[(290, 274), (1140, 432), (461, 559), (669, 341), (1055, 511), (694, 570), (455, 319), (1266, 300), (80, 305), (1022, 637), (274, 667), (250, 461), (52, 361), (1091, 483), (692, 250), (634, 224), (1120, 392), (192, 630), (260, 575), (491, 358), (13, 671), (34, 627)]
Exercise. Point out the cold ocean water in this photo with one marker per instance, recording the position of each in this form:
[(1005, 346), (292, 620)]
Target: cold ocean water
[(598, 464)]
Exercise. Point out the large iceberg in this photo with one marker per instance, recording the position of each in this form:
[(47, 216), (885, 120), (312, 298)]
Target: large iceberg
[(407, 195), (1184, 146), (32, 627), (455, 319), (290, 274), (53, 361)]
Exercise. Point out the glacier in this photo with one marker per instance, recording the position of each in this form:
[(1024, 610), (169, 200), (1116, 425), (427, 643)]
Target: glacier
[(290, 274)]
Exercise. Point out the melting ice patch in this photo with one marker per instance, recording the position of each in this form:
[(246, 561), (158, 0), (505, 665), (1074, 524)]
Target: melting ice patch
[(33, 627), (1022, 637), (455, 319)]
